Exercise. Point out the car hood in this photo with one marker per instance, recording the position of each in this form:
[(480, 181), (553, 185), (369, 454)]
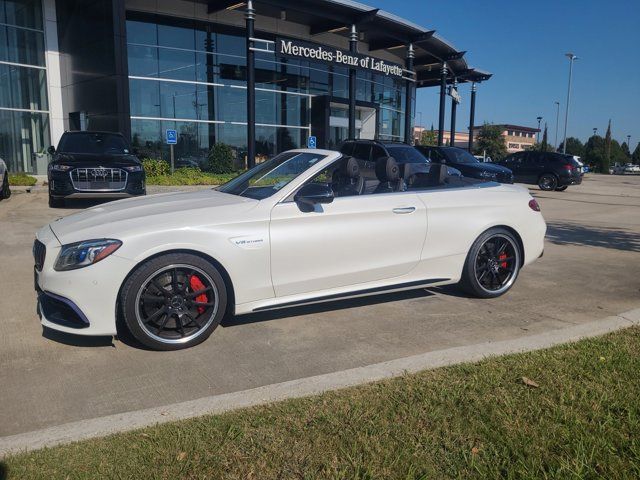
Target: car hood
[(486, 167), (91, 160), (143, 215)]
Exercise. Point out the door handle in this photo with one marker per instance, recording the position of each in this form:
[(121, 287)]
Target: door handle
[(402, 210)]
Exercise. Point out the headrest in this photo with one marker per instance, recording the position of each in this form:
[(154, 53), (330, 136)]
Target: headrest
[(387, 169), (349, 168), (410, 169), (438, 173)]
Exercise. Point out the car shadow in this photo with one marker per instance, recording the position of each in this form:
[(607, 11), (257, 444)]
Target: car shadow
[(574, 234), (77, 340), (4, 471), (232, 320), (82, 203)]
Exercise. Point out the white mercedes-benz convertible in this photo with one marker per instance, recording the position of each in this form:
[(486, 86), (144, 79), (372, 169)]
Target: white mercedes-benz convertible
[(306, 226)]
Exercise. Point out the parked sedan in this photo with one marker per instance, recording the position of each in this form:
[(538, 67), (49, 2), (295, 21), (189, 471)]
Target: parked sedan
[(93, 165), (5, 191), (469, 165), (293, 230)]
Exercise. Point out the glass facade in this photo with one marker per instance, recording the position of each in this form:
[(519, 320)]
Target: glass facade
[(191, 76), (24, 117)]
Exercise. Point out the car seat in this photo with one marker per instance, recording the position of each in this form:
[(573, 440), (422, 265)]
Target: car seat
[(346, 179), (388, 174)]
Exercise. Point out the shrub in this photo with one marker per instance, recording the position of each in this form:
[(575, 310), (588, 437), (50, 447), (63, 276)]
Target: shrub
[(220, 158), (154, 167), (21, 179)]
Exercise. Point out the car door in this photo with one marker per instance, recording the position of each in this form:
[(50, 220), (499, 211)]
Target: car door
[(532, 166), (514, 163), (349, 242)]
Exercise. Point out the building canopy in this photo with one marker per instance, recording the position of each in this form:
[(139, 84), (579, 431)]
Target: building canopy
[(379, 29)]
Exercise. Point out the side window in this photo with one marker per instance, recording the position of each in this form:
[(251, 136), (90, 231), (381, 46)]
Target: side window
[(362, 151), (376, 152), (347, 148)]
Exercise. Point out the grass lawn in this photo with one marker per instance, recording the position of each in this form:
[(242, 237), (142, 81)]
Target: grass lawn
[(21, 179), (190, 176), (469, 421)]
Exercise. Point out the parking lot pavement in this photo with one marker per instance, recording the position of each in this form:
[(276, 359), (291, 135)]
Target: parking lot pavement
[(590, 269)]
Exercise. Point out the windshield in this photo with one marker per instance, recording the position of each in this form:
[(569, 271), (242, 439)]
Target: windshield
[(457, 155), (265, 179), (405, 154), (93, 143)]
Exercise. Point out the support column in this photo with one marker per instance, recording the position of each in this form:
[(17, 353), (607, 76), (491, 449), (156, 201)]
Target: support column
[(454, 106), (251, 87), (408, 130), (443, 88), (353, 48), (472, 115)]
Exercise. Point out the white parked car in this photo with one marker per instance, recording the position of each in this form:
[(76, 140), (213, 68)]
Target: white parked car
[(5, 191), (631, 168), (303, 227)]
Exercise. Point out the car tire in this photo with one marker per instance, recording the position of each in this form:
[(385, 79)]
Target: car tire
[(55, 202), (562, 188), (158, 305), (548, 182), (5, 191), (490, 269)]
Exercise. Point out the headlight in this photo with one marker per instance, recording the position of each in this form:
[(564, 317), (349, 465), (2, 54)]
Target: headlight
[(83, 254), (134, 168), (59, 167)]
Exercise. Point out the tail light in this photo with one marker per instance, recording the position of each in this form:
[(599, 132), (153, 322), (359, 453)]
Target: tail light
[(568, 167), (533, 205)]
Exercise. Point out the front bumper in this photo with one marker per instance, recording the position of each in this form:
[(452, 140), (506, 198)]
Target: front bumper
[(82, 301), (61, 186)]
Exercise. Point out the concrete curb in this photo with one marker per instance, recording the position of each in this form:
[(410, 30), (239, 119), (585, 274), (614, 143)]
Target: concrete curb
[(103, 426)]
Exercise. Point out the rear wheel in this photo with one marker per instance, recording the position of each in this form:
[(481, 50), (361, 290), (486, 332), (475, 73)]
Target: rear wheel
[(5, 191), (562, 188), (492, 264), (548, 182), (174, 301)]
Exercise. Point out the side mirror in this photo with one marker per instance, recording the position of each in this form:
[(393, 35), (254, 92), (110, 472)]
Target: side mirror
[(312, 194), (51, 149)]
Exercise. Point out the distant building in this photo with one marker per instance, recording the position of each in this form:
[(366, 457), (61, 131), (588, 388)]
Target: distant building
[(516, 137)]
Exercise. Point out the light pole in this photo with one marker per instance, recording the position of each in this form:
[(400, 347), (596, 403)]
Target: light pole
[(571, 58), (538, 134), (595, 131), (629, 143), (557, 121)]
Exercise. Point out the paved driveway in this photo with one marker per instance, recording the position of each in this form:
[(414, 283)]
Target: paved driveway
[(591, 269)]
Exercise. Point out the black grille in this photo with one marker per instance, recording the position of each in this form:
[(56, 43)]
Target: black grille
[(39, 254)]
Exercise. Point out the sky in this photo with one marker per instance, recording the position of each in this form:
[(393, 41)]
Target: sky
[(523, 45)]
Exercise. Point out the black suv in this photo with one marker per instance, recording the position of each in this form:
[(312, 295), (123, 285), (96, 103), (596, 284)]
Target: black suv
[(469, 165), (549, 170), (368, 152), (94, 165)]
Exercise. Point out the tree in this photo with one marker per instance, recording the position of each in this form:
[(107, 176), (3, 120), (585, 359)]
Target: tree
[(607, 150), (545, 143), (490, 142), (594, 153), (635, 158), (625, 149), (221, 158), (428, 137), (574, 147)]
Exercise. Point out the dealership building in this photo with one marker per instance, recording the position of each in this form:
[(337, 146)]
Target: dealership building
[(259, 76)]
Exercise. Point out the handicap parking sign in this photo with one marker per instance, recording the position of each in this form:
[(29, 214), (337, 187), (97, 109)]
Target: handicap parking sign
[(311, 142), (172, 137)]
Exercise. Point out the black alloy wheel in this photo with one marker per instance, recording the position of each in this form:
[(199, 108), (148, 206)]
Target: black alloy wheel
[(174, 301), (548, 182), (5, 191), (492, 265)]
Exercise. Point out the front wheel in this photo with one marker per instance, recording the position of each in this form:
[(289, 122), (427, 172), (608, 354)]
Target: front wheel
[(492, 264), (55, 202), (562, 188), (174, 301), (5, 191), (548, 182)]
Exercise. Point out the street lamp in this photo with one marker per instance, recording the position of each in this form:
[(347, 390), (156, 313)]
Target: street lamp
[(557, 121), (595, 131), (629, 143), (538, 134), (571, 58)]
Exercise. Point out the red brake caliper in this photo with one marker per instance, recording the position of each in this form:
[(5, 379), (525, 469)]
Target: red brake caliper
[(502, 256), (196, 284)]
